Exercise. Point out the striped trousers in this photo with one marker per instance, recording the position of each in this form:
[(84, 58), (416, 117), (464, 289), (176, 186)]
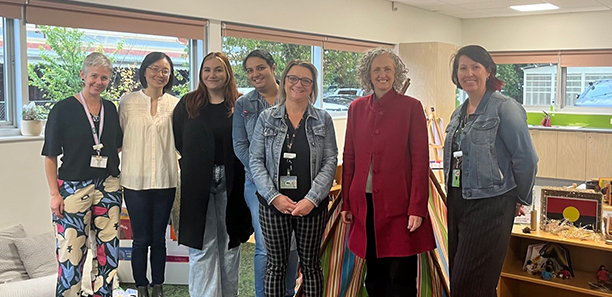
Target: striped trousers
[(478, 237)]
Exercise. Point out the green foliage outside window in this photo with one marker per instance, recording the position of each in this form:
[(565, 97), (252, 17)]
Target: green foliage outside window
[(58, 74), (340, 67), (512, 75)]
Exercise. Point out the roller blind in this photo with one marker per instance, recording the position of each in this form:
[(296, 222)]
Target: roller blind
[(100, 18)]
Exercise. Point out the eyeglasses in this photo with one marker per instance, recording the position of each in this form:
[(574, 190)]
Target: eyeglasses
[(164, 72), (294, 80)]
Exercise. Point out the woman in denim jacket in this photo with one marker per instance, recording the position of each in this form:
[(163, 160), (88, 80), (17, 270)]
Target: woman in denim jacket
[(293, 161), (490, 163), (259, 66)]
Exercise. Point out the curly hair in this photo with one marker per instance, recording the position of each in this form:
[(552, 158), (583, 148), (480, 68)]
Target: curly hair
[(365, 65)]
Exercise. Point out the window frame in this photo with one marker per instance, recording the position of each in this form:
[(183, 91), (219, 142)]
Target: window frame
[(563, 60)]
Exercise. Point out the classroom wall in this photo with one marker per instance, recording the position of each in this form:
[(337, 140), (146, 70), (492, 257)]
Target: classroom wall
[(361, 19), (583, 30)]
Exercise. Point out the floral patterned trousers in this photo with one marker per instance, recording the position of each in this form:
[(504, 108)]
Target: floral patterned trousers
[(91, 207)]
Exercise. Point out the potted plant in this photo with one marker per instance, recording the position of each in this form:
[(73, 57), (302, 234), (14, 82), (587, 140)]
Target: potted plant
[(33, 118)]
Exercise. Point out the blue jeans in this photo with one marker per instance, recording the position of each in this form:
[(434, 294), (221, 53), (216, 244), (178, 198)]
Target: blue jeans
[(149, 213), (261, 255)]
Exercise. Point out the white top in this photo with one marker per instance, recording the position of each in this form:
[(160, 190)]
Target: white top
[(149, 159)]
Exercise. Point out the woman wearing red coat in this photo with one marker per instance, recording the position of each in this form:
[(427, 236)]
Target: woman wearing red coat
[(385, 178)]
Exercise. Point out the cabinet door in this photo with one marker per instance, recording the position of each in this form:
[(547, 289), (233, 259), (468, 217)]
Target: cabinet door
[(545, 143), (571, 155), (598, 155)]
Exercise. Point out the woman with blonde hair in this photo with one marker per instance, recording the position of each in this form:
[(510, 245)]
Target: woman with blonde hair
[(214, 218), (85, 191), (293, 161)]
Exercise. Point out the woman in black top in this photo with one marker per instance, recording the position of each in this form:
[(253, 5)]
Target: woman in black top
[(85, 194), (214, 218), (293, 158)]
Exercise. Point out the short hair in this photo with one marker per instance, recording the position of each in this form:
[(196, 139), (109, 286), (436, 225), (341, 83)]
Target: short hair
[(96, 59), (262, 54), (482, 56), (150, 59), (365, 66), (282, 95)]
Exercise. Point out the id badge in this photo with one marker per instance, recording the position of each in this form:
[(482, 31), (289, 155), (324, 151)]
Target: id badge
[(456, 178), (98, 161), (288, 182)]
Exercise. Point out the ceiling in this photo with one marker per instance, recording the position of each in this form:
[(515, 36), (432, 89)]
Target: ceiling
[(468, 9)]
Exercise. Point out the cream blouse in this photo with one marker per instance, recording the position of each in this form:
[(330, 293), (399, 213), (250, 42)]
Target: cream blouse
[(149, 158)]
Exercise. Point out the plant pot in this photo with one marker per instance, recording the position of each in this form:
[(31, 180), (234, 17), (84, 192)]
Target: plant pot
[(31, 127)]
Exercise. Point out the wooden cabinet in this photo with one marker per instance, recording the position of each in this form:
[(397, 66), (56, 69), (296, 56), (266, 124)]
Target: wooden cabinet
[(545, 143), (598, 155), (573, 155), (586, 258)]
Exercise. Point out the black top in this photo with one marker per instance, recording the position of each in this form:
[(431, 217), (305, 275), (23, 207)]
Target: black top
[(195, 141), (300, 167), (215, 116), (68, 132)]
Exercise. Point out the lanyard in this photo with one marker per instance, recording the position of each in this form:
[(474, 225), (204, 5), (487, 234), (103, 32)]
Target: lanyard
[(97, 136), (290, 140), (295, 131)]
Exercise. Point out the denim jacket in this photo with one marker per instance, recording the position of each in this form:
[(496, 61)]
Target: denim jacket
[(246, 111), (498, 155), (266, 147)]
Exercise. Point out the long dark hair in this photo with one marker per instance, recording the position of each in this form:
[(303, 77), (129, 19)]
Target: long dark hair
[(482, 56), (199, 98)]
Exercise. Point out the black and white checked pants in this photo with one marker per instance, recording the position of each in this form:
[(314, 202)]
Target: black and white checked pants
[(277, 230)]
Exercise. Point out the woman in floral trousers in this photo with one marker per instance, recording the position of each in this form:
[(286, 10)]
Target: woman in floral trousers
[(85, 191)]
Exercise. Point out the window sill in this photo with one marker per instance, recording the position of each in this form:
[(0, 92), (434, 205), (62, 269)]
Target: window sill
[(14, 135)]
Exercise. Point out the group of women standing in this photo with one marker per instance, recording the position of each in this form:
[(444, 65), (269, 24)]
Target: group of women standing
[(265, 162)]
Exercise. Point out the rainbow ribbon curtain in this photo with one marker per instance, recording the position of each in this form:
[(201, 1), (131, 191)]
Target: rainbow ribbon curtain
[(345, 273)]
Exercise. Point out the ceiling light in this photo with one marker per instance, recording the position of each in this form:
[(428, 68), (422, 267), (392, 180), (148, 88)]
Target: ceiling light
[(535, 7)]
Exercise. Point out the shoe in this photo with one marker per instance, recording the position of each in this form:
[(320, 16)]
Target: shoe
[(143, 291), (158, 291)]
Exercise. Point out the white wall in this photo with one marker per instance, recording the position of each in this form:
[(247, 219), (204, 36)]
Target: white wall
[(23, 189), (361, 19), (588, 30)]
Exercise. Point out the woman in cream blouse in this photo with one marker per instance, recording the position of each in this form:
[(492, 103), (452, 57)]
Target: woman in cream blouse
[(149, 167)]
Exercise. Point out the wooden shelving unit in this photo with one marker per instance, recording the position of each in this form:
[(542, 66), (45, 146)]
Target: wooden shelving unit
[(586, 258)]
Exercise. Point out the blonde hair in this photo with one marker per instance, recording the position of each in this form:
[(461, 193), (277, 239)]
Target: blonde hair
[(282, 95)]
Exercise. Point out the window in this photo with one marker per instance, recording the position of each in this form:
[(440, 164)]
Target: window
[(337, 60), (56, 54), (340, 79), (589, 86), (237, 49), (3, 99), (529, 84)]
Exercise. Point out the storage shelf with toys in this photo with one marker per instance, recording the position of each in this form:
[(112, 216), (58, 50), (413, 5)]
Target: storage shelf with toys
[(586, 258)]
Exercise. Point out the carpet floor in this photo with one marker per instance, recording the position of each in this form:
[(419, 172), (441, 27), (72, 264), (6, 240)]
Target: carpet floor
[(246, 287)]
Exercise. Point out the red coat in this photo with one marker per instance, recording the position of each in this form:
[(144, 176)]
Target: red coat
[(393, 134)]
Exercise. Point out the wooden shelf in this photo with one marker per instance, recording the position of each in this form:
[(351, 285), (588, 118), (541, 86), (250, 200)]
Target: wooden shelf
[(514, 270), (544, 236), (586, 256)]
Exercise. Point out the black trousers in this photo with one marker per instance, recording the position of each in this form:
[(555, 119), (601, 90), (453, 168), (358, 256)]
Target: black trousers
[(149, 214), (478, 237), (387, 277)]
